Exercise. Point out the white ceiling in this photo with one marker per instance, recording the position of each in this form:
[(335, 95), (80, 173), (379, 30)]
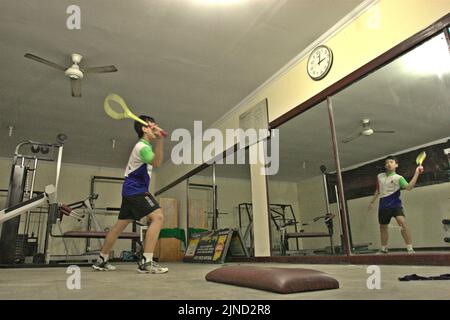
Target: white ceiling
[(178, 60)]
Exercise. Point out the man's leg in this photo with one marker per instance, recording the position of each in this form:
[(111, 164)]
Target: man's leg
[(112, 235), (156, 219), (384, 233), (406, 232), (102, 260)]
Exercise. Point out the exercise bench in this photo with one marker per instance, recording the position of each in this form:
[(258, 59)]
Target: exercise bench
[(285, 236)]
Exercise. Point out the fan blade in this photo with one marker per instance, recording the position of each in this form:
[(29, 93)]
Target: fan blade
[(100, 69), (351, 138), (41, 60), (76, 87), (383, 131)]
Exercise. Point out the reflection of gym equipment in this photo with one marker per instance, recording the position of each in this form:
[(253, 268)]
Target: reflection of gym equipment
[(279, 216), (356, 248), (281, 221), (210, 213), (285, 236), (248, 233), (446, 223)]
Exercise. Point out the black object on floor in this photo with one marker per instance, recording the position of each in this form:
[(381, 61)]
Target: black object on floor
[(413, 277)]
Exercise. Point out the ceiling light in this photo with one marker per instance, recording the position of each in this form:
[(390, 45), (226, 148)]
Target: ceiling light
[(218, 2)]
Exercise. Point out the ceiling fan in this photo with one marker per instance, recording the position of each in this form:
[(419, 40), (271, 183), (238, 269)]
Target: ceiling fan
[(365, 130), (74, 72)]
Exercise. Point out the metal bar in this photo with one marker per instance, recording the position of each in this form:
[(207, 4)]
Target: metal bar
[(39, 231), (339, 210), (296, 226), (34, 157), (447, 36), (26, 192), (107, 178), (240, 219), (58, 166), (200, 185), (250, 219), (58, 222), (33, 179), (325, 190), (91, 193), (188, 236), (340, 188), (52, 214), (214, 222), (18, 209)]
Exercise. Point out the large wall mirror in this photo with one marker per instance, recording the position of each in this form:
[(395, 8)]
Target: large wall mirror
[(303, 219), (398, 111), (401, 109)]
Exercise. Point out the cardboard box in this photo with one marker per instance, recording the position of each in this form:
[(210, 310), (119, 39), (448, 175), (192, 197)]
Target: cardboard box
[(168, 250)]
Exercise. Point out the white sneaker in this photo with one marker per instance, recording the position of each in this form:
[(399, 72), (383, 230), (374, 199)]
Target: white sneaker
[(151, 267), (103, 265), (385, 251), (410, 251)]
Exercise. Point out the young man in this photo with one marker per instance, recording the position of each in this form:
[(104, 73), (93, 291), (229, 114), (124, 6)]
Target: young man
[(388, 189), (137, 202)]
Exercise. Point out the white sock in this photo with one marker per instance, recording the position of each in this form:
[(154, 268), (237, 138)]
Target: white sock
[(104, 256), (409, 247), (148, 257)]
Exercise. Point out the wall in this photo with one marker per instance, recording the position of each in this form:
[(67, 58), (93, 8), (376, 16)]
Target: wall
[(74, 186)]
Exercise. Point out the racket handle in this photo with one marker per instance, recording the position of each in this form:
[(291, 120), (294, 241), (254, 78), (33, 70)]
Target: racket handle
[(163, 133)]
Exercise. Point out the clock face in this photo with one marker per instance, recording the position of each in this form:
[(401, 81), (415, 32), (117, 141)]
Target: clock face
[(319, 62)]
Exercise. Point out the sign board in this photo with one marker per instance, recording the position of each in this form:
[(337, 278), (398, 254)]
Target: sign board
[(215, 246)]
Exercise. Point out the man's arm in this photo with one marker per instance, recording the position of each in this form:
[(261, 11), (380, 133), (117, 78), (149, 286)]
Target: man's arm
[(158, 159), (375, 196), (409, 186)]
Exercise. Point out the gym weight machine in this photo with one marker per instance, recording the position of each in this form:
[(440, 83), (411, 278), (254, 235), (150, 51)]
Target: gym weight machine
[(22, 198)]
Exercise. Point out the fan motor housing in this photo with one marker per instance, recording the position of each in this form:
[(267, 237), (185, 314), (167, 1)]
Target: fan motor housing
[(74, 72)]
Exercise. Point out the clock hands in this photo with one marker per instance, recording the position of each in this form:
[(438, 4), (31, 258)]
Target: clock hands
[(320, 60), (315, 69)]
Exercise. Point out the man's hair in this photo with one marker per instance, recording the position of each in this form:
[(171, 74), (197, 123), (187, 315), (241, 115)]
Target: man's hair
[(138, 126), (391, 158)]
